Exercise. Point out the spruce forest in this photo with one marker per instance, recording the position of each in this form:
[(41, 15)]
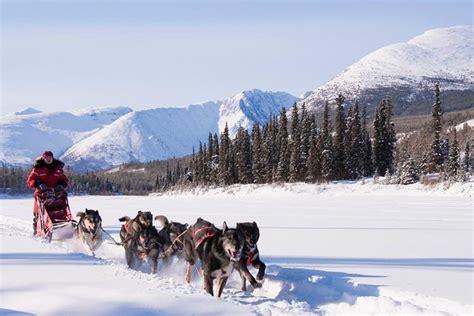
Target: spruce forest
[(297, 146)]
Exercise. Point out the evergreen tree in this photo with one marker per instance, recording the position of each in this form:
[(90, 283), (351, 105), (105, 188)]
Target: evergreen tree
[(243, 156), (267, 153), (232, 165), (436, 154), (390, 135), (453, 163), (467, 158), (327, 156), (313, 160), (225, 158), (410, 173), (200, 167), (210, 147), (283, 161), (384, 138), (214, 173), (306, 139), (205, 167), (295, 145), (340, 128), (274, 149), (367, 147), (355, 167), (258, 167), (445, 150)]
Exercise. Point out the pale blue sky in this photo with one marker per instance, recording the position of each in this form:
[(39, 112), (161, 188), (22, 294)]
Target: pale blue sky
[(65, 55)]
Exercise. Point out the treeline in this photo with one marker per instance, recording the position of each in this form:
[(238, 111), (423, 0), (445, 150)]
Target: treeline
[(294, 149)]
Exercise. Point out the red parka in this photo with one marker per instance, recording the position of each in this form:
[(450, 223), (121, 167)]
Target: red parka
[(51, 175)]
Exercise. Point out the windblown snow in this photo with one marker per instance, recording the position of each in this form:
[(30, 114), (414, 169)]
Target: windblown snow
[(338, 249)]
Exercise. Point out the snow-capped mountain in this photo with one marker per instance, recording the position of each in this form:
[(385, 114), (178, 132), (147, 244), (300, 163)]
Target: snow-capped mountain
[(145, 135), (97, 139), (27, 111), (248, 107), (442, 55), (26, 134), (164, 133)]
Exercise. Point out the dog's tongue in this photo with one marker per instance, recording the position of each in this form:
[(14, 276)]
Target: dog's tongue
[(232, 254)]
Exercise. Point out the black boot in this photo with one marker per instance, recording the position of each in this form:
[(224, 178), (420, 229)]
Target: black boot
[(35, 222)]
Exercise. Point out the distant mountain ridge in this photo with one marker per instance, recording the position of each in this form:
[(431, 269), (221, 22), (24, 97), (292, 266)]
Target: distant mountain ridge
[(407, 72), (102, 138), (24, 136)]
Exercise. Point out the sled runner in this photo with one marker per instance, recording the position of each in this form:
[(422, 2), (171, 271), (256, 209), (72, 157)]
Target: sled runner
[(54, 216)]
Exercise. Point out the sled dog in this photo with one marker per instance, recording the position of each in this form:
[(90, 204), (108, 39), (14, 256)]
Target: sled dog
[(89, 230), (217, 249), (172, 236), (250, 255), (143, 245), (135, 225)]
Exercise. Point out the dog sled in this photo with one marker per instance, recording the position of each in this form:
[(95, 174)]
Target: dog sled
[(54, 216)]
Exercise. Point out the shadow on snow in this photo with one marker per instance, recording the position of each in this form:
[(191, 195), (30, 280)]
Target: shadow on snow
[(396, 262), (32, 258)]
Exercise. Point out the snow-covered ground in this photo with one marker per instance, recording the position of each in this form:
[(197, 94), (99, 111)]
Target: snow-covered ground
[(339, 249)]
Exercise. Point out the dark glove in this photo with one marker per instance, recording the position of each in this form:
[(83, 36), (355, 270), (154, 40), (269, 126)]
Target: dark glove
[(59, 188), (43, 187)]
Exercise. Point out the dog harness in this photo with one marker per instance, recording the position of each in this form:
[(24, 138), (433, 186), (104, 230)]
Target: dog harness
[(251, 254), (125, 226), (205, 236)]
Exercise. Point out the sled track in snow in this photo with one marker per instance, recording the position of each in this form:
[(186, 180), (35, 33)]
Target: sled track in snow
[(294, 289)]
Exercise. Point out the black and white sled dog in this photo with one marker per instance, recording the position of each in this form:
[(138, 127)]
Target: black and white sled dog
[(89, 230), (217, 249), (172, 237), (250, 255), (143, 246)]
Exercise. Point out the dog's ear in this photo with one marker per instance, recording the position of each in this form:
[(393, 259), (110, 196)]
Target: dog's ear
[(80, 214), (254, 224), (162, 220), (124, 219), (224, 227)]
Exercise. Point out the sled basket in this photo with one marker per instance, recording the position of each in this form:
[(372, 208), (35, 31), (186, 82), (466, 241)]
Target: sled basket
[(54, 216)]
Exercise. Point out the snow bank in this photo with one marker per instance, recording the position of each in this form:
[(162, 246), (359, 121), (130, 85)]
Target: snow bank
[(337, 188)]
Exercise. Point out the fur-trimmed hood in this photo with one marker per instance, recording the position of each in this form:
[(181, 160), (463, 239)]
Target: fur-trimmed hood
[(40, 163)]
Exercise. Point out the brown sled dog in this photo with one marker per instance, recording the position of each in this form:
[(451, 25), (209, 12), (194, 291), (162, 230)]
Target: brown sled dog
[(135, 225)]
